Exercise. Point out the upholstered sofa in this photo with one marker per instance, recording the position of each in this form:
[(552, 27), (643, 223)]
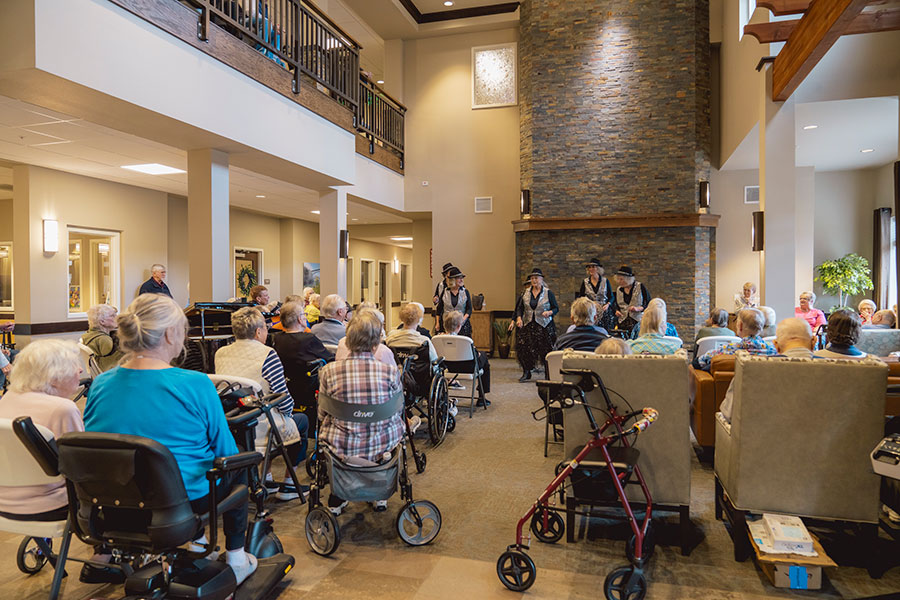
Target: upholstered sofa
[(709, 391), (880, 342), (660, 382), (799, 441)]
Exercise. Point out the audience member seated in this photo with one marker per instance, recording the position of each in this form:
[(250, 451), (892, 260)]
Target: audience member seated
[(716, 324), (769, 329), (330, 328), (453, 322), (747, 298), (652, 339), (382, 354), (614, 346), (420, 329), (259, 296), (279, 326), (841, 336), (866, 309), (411, 316), (249, 357), (98, 337), (883, 319), (312, 309), (813, 316), (670, 329), (178, 408), (45, 378), (793, 338), (749, 324), (360, 379), (297, 348), (584, 335)]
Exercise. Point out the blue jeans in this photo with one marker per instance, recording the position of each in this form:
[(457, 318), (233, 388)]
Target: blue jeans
[(297, 450)]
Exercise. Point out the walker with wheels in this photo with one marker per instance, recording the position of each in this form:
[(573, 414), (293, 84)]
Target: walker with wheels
[(515, 568)]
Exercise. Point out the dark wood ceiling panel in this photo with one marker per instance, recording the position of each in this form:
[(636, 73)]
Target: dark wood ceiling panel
[(460, 13)]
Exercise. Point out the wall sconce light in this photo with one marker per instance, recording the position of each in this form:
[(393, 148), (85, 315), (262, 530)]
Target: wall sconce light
[(51, 235), (525, 202), (344, 250), (396, 266), (704, 194), (758, 231)]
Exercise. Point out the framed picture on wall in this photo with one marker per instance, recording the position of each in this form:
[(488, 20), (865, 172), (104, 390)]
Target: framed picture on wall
[(311, 276), (494, 76)]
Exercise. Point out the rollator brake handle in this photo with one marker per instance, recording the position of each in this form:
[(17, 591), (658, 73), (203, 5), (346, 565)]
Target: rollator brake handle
[(650, 415)]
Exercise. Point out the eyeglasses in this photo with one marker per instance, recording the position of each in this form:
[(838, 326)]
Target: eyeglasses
[(807, 298)]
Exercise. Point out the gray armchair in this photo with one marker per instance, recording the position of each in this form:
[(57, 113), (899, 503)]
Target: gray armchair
[(660, 382), (799, 441)]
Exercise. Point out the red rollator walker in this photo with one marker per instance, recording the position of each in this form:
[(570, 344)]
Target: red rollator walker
[(514, 567)]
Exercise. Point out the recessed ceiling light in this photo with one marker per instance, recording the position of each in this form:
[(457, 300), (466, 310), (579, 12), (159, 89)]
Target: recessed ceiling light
[(811, 127), (354, 219), (401, 239), (380, 82), (867, 150), (448, 3), (260, 196), (316, 212), (153, 169)]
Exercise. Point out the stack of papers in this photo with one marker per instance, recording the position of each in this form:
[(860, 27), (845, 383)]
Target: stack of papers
[(763, 540)]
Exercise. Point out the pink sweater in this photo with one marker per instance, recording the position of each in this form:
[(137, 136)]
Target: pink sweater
[(59, 415), (813, 316)]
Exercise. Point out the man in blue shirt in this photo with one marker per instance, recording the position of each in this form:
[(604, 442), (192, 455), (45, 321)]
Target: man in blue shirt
[(157, 282)]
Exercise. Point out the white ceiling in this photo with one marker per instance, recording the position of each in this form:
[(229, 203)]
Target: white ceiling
[(371, 58), (844, 128), (34, 135)]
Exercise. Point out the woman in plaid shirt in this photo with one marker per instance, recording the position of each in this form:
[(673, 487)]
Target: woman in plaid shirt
[(360, 379)]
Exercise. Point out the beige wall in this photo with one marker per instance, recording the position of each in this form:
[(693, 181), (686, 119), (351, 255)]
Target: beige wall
[(139, 214), (462, 153), (178, 265), (258, 232), (736, 263), (299, 244), (361, 249), (6, 220)]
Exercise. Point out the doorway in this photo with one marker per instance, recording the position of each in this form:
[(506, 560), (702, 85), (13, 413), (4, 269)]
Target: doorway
[(247, 270), (382, 284), (366, 291)]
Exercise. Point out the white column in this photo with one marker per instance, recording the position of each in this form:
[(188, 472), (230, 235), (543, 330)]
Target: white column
[(804, 228), (332, 219), (211, 277)]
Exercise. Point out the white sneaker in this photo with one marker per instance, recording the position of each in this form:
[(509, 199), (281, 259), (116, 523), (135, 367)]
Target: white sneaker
[(380, 505), (337, 510), (453, 410), (891, 515), (414, 423), (455, 385)]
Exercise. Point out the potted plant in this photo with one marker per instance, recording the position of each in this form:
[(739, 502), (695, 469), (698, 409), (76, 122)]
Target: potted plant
[(504, 336), (845, 277)]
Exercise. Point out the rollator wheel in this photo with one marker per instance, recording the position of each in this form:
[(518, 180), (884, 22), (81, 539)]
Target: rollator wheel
[(555, 526), (649, 547), (30, 558), (451, 423), (322, 531), (422, 531), (420, 462), (516, 570), (620, 585), (438, 410)]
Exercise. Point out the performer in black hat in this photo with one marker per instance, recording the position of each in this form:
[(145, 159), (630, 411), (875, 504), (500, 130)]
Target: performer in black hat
[(596, 287), (536, 331), (630, 300), (442, 284), (454, 297)]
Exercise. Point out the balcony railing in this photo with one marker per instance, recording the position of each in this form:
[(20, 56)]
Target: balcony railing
[(381, 117)]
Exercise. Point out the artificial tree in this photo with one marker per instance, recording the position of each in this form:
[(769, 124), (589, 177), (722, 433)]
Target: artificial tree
[(844, 277)]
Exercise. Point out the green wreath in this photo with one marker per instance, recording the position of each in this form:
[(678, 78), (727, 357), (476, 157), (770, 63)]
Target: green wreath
[(246, 279)]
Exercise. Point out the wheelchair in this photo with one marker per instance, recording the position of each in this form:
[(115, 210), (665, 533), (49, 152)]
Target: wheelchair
[(418, 522), (126, 492), (425, 390)]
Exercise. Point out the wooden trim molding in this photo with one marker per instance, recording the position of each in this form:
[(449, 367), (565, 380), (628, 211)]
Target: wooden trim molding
[(642, 221), (46, 328), (461, 13), (382, 155)]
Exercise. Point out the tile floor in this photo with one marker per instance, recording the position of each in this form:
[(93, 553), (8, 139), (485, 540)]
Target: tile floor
[(483, 478)]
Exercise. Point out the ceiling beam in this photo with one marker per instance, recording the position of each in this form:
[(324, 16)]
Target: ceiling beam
[(817, 31), (780, 8), (460, 13), (887, 19)]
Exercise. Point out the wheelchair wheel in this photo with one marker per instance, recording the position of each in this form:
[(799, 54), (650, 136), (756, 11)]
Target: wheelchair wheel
[(438, 410), (620, 585), (516, 570), (555, 526), (419, 522), (30, 558), (322, 531)]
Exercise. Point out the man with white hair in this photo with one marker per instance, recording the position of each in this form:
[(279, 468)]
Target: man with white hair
[(330, 328), (157, 282), (793, 338)]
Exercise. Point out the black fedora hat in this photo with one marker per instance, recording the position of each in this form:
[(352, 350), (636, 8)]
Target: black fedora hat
[(446, 267), (536, 271), (594, 262), (626, 271), (453, 273)]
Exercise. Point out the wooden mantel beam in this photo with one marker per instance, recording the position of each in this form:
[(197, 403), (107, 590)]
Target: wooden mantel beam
[(817, 31), (887, 19)]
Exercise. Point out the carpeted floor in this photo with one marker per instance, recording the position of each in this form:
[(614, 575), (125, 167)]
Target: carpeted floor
[(485, 475)]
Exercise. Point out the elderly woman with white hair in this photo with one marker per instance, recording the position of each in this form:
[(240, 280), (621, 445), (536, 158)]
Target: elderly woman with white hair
[(536, 333), (630, 299), (653, 327), (670, 329), (99, 336), (866, 309), (382, 353), (177, 408), (806, 311), (747, 298)]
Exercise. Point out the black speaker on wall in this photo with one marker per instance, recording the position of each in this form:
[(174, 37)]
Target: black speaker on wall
[(704, 194), (758, 231), (525, 202)]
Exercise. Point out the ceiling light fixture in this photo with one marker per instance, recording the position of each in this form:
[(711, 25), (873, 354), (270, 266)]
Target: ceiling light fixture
[(153, 169), (380, 82), (867, 150), (808, 127), (401, 238), (316, 212), (448, 3), (260, 196)]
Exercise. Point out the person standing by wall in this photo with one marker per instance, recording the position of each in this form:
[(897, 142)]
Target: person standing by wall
[(596, 287), (157, 282), (630, 300), (536, 331), (455, 297)]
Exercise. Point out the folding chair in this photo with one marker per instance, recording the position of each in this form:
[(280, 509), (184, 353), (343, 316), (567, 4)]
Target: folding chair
[(456, 349)]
